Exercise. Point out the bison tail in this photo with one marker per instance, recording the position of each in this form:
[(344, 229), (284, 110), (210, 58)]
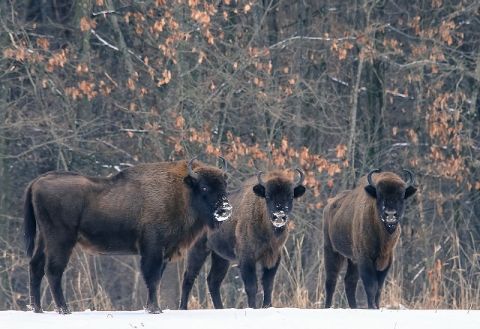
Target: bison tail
[(29, 222)]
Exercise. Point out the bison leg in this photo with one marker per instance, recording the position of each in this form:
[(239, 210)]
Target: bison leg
[(152, 266), (268, 278), (249, 276), (351, 279), (215, 278), (381, 275), (333, 264), (368, 273), (58, 254), (196, 258), (37, 272)]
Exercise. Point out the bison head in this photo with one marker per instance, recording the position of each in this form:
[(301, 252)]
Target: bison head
[(208, 187), (390, 195), (279, 193)]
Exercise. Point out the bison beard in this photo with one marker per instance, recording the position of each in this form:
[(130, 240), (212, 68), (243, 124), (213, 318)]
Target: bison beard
[(155, 210)]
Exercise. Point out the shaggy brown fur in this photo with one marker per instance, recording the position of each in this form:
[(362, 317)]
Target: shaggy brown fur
[(156, 210), (255, 234), (360, 225)]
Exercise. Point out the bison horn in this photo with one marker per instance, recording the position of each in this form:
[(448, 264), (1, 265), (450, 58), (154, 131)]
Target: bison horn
[(369, 176), (410, 177), (300, 178), (259, 177), (190, 170), (224, 163)]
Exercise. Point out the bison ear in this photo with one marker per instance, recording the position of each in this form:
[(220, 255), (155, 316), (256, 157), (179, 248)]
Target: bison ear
[(410, 191), (372, 191), (259, 190), (190, 181), (299, 191)]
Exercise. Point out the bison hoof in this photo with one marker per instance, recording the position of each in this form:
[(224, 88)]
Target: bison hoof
[(35, 308), (63, 310), (153, 310)]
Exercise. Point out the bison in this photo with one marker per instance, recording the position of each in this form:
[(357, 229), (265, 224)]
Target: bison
[(362, 226), (155, 210), (255, 234)]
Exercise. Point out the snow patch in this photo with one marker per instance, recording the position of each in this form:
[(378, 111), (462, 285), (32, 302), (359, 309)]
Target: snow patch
[(246, 318), (224, 213), (280, 218)]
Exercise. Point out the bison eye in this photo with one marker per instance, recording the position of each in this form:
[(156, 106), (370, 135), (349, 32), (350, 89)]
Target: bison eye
[(204, 188)]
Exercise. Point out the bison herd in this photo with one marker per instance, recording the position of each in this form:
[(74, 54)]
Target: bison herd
[(161, 211)]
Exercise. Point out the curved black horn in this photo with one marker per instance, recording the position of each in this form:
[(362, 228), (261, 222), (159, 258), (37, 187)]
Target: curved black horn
[(300, 179), (410, 177), (369, 176), (190, 170), (223, 162), (259, 177)]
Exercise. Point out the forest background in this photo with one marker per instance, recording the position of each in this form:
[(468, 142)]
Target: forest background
[(334, 87)]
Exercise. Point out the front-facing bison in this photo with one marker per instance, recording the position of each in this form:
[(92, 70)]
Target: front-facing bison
[(255, 235), (362, 226), (155, 210)]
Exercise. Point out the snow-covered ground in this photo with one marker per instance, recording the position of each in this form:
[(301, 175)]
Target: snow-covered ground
[(273, 318)]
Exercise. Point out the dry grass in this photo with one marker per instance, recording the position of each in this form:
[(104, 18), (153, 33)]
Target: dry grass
[(447, 278)]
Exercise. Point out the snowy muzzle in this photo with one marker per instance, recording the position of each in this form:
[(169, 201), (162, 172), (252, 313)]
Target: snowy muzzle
[(223, 212), (279, 218), (390, 220)]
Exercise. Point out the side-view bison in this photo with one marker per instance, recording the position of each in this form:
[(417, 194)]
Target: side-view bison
[(155, 210), (362, 226), (255, 234)]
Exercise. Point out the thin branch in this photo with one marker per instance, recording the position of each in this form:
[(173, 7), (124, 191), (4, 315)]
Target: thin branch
[(299, 37), (106, 43), (138, 131), (105, 13), (415, 64), (116, 148), (102, 40), (35, 147), (10, 217)]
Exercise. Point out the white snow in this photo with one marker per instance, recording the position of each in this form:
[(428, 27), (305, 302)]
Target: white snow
[(225, 213), (277, 318)]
